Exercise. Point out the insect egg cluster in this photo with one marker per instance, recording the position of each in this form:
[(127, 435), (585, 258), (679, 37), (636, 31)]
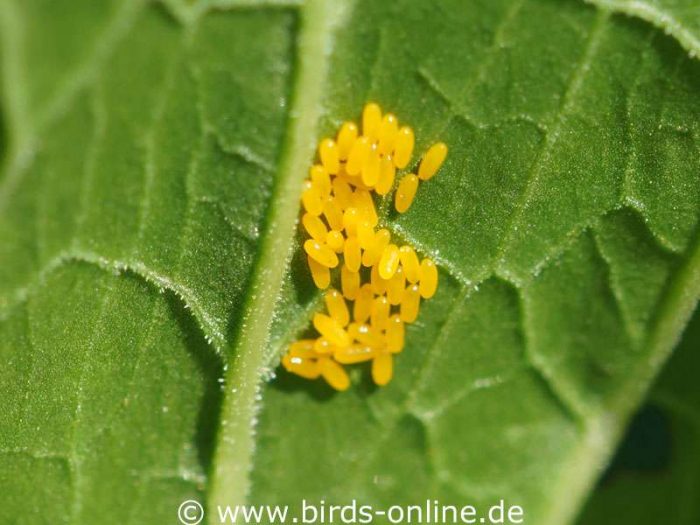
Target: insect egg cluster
[(381, 284)]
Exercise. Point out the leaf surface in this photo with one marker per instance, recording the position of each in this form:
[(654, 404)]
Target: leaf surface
[(680, 18), (150, 269), (655, 474)]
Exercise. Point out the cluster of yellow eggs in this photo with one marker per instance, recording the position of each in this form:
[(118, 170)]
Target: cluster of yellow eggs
[(341, 220)]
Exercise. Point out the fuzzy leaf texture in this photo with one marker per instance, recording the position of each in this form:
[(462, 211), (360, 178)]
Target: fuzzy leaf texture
[(150, 268), (655, 474)]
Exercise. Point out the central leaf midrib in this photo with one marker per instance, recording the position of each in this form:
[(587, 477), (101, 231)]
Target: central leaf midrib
[(230, 476)]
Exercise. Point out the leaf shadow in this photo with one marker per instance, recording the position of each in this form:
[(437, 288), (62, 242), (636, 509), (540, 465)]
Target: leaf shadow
[(302, 284), (317, 390), (211, 367), (647, 447)]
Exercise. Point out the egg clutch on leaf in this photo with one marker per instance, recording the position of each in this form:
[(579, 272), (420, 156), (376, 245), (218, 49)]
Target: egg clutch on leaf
[(381, 283)]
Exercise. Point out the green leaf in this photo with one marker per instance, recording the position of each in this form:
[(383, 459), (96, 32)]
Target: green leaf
[(680, 18), (151, 275), (655, 475)]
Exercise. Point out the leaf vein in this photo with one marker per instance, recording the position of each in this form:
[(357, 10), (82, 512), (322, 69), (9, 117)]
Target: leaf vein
[(575, 83), (211, 326)]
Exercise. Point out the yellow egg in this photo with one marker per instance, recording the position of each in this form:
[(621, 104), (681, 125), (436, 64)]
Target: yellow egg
[(363, 304), (387, 174), (328, 152), (389, 261), (349, 282), (432, 161), (346, 138), (320, 274), (410, 304), (428, 278), (334, 374), (410, 264), (314, 227), (382, 369), (405, 193), (336, 306), (388, 131), (403, 147), (331, 329), (371, 119), (395, 333)]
